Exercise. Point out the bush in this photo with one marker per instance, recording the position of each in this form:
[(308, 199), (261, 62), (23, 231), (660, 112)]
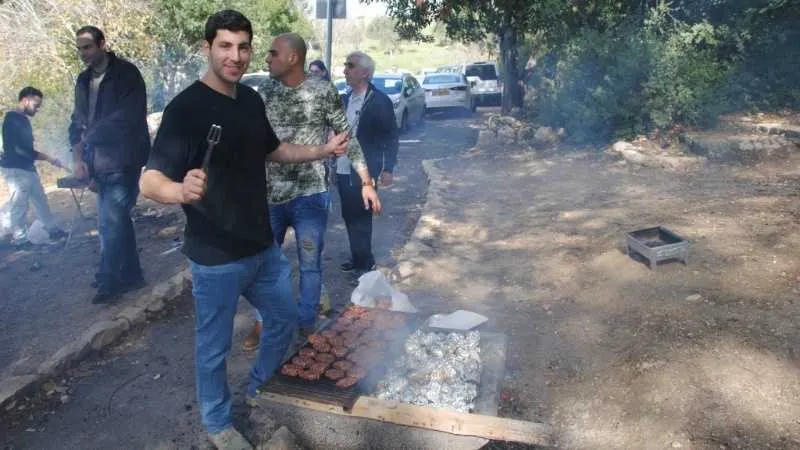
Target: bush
[(657, 71)]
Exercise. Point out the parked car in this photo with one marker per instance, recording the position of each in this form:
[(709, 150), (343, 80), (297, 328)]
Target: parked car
[(341, 86), (448, 90), (484, 81), (253, 80), (407, 96)]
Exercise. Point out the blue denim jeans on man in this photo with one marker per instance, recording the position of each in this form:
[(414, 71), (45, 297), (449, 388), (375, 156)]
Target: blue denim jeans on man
[(264, 280), (308, 215), (119, 256)]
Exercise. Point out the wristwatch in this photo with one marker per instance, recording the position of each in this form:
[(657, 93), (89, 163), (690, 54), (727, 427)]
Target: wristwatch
[(370, 182)]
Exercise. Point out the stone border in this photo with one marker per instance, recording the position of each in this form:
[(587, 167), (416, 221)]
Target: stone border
[(420, 245), (98, 336)]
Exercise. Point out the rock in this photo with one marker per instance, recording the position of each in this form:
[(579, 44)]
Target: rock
[(621, 146), (169, 289), (168, 232), (66, 355), (742, 148), (104, 333), (64, 399), (404, 269), (135, 315), (507, 135), (11, 386), (547, 136), (49, 388), (694, 298), (283, 439), (155, 305), (637, 155), (676, 444)]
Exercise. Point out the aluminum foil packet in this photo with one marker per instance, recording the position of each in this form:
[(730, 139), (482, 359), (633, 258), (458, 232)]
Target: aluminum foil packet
[(437, 369)]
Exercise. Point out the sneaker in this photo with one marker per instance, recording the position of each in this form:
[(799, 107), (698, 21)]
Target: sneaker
[(229, 439), (57, 233), (347, 267), (253, 339)]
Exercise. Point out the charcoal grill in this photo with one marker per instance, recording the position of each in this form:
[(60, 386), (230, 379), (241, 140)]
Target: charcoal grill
[(657, 244)]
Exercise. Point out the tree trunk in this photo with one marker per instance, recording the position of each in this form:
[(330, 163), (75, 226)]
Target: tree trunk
[(508, 55)]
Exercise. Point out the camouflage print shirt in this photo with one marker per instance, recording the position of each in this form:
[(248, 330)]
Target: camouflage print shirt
[(304, 115)]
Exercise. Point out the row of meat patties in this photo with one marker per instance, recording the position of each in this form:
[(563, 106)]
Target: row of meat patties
[(351, 347)]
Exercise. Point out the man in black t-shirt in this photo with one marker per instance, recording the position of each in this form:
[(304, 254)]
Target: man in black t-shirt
[(228, 242), (16, 165)]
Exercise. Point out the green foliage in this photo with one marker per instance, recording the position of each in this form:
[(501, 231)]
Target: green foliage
[(669, 63), (179, 26)]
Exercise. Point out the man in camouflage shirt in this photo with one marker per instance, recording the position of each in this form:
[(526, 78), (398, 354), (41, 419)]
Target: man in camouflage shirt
[(302, 110)]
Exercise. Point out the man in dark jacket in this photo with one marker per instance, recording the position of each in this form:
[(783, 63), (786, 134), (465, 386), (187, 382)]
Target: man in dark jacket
[(110, 146), (371, 115)]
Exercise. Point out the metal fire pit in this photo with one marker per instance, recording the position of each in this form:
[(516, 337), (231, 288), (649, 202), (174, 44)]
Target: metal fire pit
[(656, 245)]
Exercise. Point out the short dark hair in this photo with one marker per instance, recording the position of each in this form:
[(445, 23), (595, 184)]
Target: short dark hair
[(227, 19), (29, 91), (97, 33)]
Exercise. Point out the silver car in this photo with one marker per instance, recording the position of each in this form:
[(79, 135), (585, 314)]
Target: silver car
[(407, 96)]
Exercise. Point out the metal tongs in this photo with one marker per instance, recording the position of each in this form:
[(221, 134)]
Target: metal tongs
[(214, 135)]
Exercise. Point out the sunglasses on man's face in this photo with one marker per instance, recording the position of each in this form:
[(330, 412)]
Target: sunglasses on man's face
[(349, 65)]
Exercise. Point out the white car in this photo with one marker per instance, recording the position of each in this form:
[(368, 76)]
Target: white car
[(483, 78), (341, 86), (448, 90), (253, 80), (407, 96)]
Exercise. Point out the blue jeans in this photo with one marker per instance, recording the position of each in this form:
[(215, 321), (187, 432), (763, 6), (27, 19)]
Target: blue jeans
[(264, 280), (119, 257), (308, 215)]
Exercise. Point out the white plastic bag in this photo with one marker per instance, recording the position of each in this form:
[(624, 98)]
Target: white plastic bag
[(37, 235), (374, 288)]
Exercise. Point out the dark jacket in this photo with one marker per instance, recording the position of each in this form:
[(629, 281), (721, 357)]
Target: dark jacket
[(117, 139), (18, 152), (377, 131)]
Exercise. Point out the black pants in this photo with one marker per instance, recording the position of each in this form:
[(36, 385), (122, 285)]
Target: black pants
[(357, 220)]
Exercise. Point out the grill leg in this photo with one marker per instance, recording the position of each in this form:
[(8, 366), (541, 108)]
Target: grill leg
[(78, 213)]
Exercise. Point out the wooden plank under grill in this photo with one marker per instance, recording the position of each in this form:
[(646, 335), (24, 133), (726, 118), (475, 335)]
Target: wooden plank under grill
[(438, 419)]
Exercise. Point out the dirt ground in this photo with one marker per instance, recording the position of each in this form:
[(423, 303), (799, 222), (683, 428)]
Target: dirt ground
[(614, 355), (610, 353), (46, 297)]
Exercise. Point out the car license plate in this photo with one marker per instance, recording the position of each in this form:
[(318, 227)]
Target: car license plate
[(440, 92)]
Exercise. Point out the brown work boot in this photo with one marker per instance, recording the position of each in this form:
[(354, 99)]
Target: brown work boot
[(252, 340)]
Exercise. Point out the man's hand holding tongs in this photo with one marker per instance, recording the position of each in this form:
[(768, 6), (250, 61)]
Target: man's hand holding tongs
[(194, 186)]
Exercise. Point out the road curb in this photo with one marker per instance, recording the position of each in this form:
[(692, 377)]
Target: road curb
[(98, 336), (423, 239)]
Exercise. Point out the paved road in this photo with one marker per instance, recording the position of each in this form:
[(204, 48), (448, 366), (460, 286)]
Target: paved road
[(140, 394)]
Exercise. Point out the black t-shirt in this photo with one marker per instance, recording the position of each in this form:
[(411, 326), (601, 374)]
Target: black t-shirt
[(232, 219), (18, 152)]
